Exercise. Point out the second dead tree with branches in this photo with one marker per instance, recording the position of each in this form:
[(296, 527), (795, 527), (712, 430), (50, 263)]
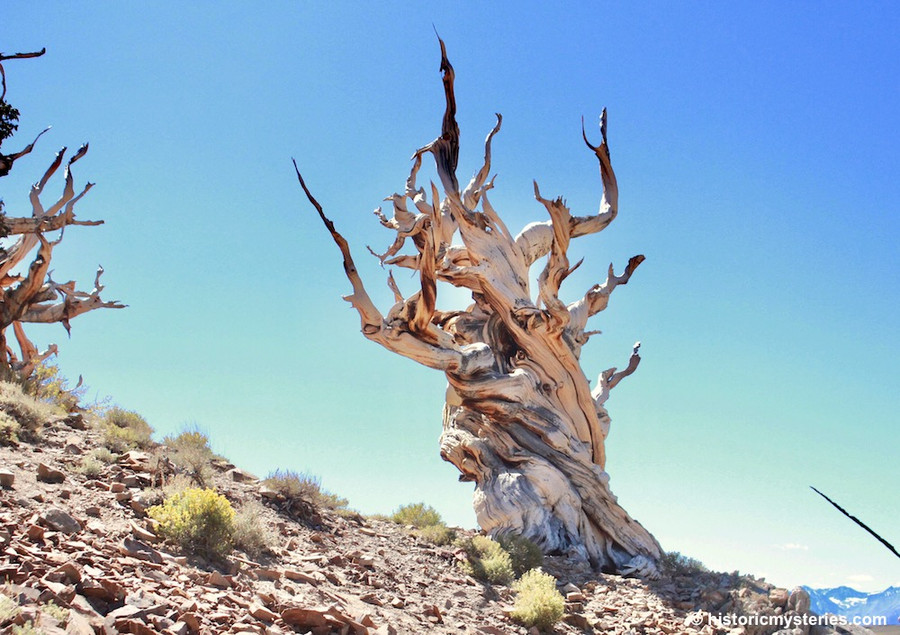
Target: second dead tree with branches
[(31, 295)]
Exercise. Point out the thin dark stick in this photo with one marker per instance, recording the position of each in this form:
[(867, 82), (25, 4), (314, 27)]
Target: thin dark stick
[(858, 522)]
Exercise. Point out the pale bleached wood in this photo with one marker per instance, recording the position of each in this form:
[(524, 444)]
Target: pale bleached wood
[(33, 296), (520, 421)]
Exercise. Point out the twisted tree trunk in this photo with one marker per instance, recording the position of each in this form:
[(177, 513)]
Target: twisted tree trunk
[(520, 421)]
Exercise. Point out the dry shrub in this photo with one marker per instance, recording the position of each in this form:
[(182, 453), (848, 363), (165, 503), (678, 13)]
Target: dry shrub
[(103, 455), (418, 515), (125, 430), (674, 564), (90, 467), (29, 413), (303, 493), (437, 534), (190, 451), (250, 531)]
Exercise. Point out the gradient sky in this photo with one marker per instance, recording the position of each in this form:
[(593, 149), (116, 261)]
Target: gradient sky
[(756, 150)]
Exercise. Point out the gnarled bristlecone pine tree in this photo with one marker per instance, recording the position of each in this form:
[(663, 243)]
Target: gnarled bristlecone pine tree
[(31, 295), (520, 419)]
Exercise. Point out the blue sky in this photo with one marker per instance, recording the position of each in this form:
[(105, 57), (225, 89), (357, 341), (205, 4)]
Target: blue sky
[(756, 151)]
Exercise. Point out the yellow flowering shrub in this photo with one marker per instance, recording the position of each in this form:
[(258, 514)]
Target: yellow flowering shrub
[(201, 521)]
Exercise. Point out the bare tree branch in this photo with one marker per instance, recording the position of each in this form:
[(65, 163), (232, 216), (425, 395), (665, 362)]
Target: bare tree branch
[(13, 56), (858, 522), (435, 350), (446, 147), (7, 160), (535, 239)]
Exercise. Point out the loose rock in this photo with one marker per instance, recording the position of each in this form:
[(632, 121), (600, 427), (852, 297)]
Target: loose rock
[(49, 475)]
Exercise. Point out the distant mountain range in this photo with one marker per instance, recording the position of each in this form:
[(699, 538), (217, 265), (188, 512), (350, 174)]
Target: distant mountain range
[(849, 602)]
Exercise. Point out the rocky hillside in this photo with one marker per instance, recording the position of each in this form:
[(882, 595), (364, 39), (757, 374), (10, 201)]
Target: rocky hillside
[(80, 555)]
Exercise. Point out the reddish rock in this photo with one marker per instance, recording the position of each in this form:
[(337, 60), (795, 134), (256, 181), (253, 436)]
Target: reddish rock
[(218, 580), (262, 613), (371, 598), (62, 593), (575, 596), (192, 621), (179, 628), (267, 574), (58, 520), (75, 420), (35, 533), (103, 589), (142, 534), (240, 476), (305, 617), (299, 576), (73, 445), (140, 550), (779, 597), (135, 627), (77, 624), (433, 613), (67, 572), (49, 475)]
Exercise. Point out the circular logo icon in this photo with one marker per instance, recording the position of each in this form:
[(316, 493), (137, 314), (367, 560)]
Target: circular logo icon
[(695, 619)]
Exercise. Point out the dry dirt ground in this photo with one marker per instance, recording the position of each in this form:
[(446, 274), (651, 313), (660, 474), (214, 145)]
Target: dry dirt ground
[(85, 545)]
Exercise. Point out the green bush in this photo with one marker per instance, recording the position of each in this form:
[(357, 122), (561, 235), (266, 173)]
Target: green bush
[(200, 521), (191, 452), (28, 412), (103, 455), (9, 430), (250, 532), (437, 534), (524, 553), (538, 603), (47, 384), (124, 430), (90, 467), (55, 611), (487, 560), (418, 515), (9, 610), (673, 563), (292, 484)]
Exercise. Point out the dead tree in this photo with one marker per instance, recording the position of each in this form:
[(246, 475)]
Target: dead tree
[(29, 294), (520, 419)]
